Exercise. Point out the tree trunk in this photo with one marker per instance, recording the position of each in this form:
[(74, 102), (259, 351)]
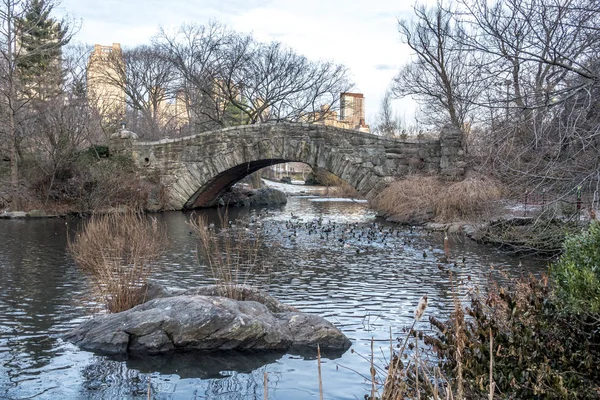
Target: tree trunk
[(14, 165)]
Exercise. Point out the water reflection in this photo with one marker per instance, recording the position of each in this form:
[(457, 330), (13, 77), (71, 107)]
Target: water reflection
[(364, 286)]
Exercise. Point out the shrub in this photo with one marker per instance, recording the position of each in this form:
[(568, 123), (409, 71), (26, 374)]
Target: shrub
[(538, 352), (117, 252), (541, 236), (417, 199), (577, 272), (95, 152), (411, 200)]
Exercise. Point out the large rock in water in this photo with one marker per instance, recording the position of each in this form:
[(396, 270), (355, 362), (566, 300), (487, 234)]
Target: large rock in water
[(206, 322)]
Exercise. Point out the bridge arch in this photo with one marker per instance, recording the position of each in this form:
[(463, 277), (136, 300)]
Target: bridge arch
[(196, 169)]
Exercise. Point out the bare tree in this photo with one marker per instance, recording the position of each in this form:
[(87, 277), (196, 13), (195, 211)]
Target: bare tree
[(14, 91), (533, 47), (524, 73), (443, 76), (196, 51), (386, 124), (231, 78), (539, 62), (280, 85)]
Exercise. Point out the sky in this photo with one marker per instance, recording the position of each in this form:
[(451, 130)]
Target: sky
[(360, 34)]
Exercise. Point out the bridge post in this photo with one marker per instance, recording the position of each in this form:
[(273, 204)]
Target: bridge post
[(452, 161), (121, 142)]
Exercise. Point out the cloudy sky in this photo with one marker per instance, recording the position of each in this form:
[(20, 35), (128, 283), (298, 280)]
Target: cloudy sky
[(361, 34)]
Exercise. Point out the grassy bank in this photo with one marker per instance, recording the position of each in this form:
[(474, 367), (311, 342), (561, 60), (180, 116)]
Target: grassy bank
[(418, 199)]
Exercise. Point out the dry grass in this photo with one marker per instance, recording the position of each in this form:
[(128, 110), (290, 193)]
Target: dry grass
[(410, 198), (467, 199), (420, 198), (419, 377), (117, 252), (231, 253)]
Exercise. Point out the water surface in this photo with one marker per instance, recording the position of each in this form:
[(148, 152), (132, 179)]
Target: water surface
[(360, 273)]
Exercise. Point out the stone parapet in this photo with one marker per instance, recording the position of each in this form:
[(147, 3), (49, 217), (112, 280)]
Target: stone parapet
[(452, 160)]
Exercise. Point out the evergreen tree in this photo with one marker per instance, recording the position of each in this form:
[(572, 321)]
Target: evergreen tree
[(41, 38)]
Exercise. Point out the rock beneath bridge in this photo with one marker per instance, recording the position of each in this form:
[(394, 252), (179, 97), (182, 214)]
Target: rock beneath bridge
[(240, 197), (207, 322)]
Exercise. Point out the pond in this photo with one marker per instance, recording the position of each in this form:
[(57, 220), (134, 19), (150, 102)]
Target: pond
[(363, 274)]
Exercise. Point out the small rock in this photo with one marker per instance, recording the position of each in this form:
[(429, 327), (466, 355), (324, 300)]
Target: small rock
[(435, 226), (455, 227), (13, 214)]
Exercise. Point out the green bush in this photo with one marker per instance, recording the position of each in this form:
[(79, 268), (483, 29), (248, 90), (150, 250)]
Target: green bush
[(538, 351), (98, 151), (124, 161), (577, 272)]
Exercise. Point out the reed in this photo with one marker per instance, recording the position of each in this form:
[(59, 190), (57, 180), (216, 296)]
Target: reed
[(118, 253), (419, 378), (320, 375), (230, 251), (421, 198), (468, 199), (266, 386)]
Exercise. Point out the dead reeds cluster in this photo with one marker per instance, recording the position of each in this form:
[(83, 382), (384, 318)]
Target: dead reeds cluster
[(230, 251), (468, 198), (118, 253), (418, 376), (415, 376), (419, 198)]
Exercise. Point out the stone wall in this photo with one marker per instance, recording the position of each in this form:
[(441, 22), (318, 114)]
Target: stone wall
[(196, 169)]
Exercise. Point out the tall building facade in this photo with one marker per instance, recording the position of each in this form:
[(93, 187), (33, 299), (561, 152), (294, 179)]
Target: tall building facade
[(352, 109), (172, 112), (105, 80), (352, 113)]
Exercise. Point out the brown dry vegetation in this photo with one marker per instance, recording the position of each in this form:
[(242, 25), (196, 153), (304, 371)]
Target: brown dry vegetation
[(118, 253), (417, 199), (231, 253)]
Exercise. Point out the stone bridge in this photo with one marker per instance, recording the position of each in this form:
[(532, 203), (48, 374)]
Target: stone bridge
[(196, 169)]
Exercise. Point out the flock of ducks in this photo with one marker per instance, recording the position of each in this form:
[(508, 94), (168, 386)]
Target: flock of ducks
[(358, 237)]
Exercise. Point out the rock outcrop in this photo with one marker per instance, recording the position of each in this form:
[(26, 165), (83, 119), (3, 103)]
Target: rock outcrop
[(206, 322)]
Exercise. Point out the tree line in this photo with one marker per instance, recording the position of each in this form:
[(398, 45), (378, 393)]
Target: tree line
[(214, 76), (520, 78)]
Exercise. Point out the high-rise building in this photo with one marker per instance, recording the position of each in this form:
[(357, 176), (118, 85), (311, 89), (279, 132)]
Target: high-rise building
[(352, 110), (352, 113), (172, 112), (105, 80)]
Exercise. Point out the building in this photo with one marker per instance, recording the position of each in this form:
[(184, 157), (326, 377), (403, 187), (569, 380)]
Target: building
[(105, 81), (172, 112), (352, 110), (352, 113)]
